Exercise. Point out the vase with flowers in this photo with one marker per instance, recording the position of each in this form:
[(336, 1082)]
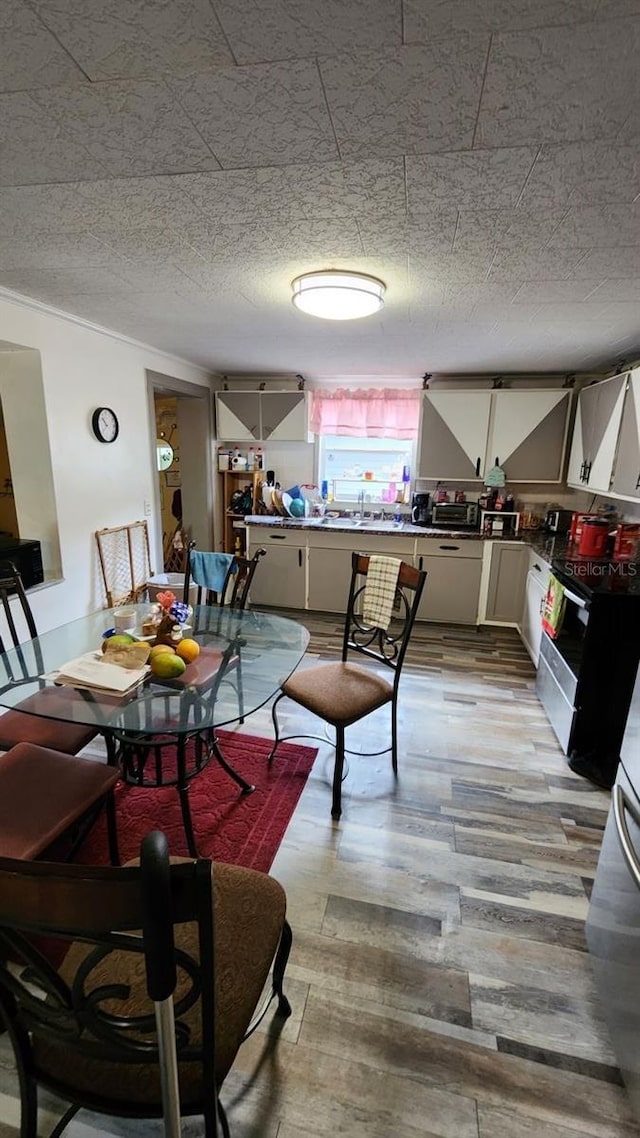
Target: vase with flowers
[(172, 613)]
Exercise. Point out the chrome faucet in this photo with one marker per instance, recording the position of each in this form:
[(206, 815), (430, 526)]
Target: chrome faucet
[(361, 502)]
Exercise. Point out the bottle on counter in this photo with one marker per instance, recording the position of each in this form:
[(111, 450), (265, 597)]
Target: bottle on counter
[(259, 459), (251, 459)]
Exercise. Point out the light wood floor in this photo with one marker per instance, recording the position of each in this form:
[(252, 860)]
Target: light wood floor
[(439, 978)]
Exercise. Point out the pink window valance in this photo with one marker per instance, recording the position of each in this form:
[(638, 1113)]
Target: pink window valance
[(367, 413)]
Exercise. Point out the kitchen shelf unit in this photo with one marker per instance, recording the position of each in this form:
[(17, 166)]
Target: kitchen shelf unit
[(232, 480)]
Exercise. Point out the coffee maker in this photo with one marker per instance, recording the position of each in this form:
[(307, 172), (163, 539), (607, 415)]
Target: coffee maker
[(420, 512)]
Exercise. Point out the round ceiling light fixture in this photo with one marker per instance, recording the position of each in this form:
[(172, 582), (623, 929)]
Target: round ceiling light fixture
[(334, 294)]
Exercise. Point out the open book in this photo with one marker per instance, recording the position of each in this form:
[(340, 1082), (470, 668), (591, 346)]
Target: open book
[(92, 671)]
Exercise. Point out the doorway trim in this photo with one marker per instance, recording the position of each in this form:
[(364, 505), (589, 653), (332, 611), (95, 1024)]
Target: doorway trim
[(159, 383)]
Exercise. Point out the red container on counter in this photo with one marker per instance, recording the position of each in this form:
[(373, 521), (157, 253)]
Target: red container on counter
[(626, 543), (593, 538), (575, 529)]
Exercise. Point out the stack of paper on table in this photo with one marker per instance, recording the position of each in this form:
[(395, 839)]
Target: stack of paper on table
[(91, 671)]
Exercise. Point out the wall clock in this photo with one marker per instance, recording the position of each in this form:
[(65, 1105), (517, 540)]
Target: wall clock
[(104, 423)]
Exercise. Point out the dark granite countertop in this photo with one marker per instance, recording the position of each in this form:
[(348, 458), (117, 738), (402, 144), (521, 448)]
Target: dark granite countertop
[(345, 525)]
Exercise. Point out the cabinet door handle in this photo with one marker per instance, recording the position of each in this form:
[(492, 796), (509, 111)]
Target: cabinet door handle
[(300, 558), (448, 547), (538, 567), (638, 482), (478, 467), (277, 537), (420, 563)]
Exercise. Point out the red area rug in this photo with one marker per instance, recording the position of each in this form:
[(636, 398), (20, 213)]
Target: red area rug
[(228, 826)]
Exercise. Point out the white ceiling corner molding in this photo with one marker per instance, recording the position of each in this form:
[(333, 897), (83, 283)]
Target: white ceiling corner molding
[(34, 305)]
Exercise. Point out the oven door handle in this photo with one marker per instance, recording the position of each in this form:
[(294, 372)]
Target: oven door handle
[(574, 598), (620, 804)]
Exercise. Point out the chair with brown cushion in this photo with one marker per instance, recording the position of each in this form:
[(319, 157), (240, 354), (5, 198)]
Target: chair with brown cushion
[(45, 794), (344, 692), (234, 592), (234, 595), (30, 724), (155, 759), (85, 1029)]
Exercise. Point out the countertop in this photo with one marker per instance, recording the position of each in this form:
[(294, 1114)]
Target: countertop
[(345, 525)]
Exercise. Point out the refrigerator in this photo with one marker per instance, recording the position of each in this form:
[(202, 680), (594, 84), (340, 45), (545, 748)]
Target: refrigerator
[(613, 922)]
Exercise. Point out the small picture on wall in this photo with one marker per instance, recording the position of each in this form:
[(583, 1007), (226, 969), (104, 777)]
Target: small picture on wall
[(172, 478)]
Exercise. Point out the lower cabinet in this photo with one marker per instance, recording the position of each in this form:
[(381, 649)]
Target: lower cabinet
[(280, 579), (329, 579), (535, 592), (330, 564), (507, 580), (452, 589)]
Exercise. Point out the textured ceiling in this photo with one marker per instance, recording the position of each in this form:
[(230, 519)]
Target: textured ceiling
[(168, 166)]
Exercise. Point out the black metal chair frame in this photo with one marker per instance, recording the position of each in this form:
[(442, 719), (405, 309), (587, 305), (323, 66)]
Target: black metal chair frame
[(241, 570), (103, 908), (383, 646), (132, 750)]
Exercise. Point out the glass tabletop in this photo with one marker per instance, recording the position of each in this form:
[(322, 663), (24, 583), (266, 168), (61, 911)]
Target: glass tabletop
[(265, 648)]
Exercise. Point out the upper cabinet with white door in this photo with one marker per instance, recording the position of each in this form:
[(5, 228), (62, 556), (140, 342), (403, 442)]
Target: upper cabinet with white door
[(595, 435), (279, 416), (453, 436), (464, 432), (626, 474)]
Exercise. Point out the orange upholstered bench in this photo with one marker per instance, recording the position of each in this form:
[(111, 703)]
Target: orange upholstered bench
[(44, 792)]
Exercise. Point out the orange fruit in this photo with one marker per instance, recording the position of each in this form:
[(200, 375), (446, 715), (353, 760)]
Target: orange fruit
[(159, 649), (188, 649), (167, 665)]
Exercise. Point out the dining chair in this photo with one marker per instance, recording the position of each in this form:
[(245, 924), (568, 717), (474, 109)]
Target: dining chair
[(233, 594), (343, 693), (28, 722), (149, 758), (45, 794), (82, 1020), (234, 575)]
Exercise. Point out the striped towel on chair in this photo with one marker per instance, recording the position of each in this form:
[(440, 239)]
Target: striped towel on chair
[(380, 591)]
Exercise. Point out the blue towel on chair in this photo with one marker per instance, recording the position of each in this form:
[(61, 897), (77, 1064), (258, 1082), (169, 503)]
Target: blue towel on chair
[(210, 569)]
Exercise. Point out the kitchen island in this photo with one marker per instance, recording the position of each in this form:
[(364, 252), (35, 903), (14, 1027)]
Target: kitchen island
[(471, 579)]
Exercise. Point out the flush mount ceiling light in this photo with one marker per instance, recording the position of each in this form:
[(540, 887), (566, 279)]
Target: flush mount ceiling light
[(337, 295)]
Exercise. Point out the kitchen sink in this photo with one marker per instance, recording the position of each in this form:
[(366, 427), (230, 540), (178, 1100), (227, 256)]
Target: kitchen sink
[(362, 523)]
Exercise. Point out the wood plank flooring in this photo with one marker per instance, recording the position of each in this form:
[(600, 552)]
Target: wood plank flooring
[(439, 977)]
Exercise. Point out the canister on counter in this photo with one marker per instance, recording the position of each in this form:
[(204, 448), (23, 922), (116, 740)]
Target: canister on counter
[(627, 541)]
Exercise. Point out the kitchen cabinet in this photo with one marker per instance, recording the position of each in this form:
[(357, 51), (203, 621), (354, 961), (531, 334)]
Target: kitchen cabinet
[(279, 416), (329, 579), (528, 434), (508, 566), (626, 474), (452, 589), (536, 586), (595, 435), (453, 435), (280, 579), (330, 563), (463, 432)]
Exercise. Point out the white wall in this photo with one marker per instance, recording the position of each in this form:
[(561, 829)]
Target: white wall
[(95, 485)]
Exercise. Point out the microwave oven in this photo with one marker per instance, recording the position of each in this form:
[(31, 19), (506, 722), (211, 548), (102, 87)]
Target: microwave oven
[(25, 556), (458, 514)]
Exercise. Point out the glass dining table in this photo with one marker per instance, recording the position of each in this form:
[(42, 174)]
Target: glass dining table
[(253, 654)]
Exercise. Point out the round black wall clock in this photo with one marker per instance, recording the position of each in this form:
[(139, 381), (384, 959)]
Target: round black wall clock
[(105, 424)]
